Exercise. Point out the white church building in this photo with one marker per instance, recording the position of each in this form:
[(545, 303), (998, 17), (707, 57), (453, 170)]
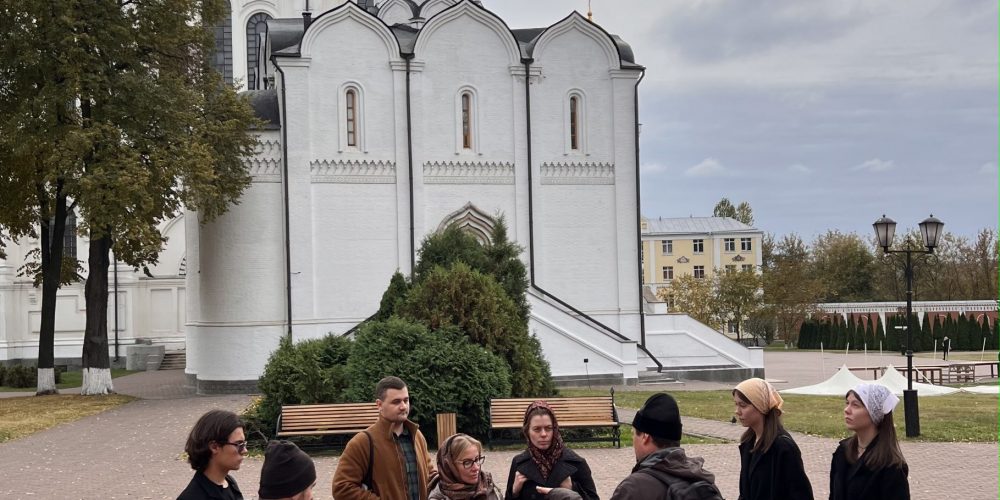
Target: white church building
[(386, 123)]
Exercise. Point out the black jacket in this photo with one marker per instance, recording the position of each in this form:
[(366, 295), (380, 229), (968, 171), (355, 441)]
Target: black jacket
[(202, 488), (858, 482), (643, 483), (569, 465), (775, 474)]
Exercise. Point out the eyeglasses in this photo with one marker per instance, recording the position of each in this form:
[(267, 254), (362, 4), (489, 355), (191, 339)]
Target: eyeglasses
[(467, 464), (241, 446)]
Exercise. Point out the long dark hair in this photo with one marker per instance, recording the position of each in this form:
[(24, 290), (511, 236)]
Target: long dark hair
[(885, 452), (772, 428)]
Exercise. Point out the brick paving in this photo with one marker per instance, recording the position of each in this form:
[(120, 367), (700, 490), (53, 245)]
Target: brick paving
[(134, 451)]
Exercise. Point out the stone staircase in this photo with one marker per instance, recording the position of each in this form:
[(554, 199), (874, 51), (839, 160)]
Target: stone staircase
[(174, 360)]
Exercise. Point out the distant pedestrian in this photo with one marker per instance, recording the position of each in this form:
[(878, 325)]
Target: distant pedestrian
[(287, 473), (663, 471), (770, 462), (869, 465), (460, 472), (215, 447), (546, 463), (945, 347)]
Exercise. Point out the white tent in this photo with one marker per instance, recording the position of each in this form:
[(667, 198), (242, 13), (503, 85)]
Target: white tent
[(983, 389), (896, 382), (837, 385)]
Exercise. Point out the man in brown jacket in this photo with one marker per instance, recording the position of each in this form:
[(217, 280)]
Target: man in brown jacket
[(401, 464), (663, 471)]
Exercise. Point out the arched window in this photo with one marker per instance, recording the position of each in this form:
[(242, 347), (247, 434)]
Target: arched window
[(256, 26), (351, 106), (466, 120), (575, 120), (574, 123)]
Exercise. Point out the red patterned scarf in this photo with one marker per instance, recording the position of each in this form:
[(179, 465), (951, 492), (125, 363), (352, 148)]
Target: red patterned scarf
[(544, 459)]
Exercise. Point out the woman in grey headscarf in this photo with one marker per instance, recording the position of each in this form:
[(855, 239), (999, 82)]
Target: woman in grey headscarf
[(869, 464)]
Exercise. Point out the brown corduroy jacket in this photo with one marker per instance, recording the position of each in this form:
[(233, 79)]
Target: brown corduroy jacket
[(389, 474)]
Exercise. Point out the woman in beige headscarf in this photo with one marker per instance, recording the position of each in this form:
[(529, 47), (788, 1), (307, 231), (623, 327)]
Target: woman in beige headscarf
[(771, 463), (460, 473)]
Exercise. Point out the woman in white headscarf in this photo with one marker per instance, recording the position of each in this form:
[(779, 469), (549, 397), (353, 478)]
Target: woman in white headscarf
[(869, 464)]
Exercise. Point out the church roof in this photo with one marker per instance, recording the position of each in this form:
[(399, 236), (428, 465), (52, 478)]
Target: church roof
[(265, 107), (696, 225)]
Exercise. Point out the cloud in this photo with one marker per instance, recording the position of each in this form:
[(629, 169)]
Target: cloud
[(875, 165), (799, 168), (652, 168), (709, 167), (988, 168)]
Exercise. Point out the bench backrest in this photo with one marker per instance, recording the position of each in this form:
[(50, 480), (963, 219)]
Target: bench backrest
[(586, 411), (348, 418)]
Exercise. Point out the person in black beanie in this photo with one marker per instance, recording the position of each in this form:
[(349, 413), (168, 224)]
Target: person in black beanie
[(663, 471), (287, 473)]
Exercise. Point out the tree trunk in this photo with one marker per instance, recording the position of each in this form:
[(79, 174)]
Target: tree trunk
[(96, 362), (53, 231)]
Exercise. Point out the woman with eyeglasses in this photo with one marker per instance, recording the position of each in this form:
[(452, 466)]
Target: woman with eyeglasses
[(215, 447), (460, 472), (547, 465)]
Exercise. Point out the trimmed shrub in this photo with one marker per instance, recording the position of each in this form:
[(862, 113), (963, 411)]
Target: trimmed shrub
[(475, 303), (20, 376), (307, 372), (443, 370)]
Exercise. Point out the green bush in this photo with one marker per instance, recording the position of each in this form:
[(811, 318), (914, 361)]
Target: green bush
[(3, 373), (442, 369), (475, 303), (20, 376), (308, 372)]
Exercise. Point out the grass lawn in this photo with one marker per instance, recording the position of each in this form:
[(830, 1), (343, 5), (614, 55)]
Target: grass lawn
[(20, 417), (70, 380), (953, 418)]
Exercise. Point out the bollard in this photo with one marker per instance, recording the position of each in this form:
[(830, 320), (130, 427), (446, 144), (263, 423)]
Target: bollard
[(446, 427)]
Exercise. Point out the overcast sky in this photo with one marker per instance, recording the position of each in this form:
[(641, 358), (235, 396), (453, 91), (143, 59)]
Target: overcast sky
[(822, 115)]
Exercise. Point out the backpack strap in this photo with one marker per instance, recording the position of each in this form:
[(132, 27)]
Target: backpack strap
[(367, 482)]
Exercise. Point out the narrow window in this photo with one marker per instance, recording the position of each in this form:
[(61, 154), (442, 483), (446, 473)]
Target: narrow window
[(699, 272), (730, 268), (466, 121), (668, 273), (574, 123), (730, 244), (699, 246), (352, 118), (667, 247), (748, 267), (746, 245)]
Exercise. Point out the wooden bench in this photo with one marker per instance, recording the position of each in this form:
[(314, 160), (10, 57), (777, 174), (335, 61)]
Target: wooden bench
[(578, 412), (962, 373), (326, 419)]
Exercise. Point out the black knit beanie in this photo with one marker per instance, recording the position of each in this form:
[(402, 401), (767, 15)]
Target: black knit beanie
[(659, 417), (287, 471)]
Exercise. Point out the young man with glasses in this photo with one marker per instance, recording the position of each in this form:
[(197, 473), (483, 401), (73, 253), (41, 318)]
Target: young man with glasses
[(389, 460), (215, 447)]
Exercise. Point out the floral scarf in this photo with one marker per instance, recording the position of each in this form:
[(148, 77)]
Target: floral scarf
[(544, 459), (449, 477)]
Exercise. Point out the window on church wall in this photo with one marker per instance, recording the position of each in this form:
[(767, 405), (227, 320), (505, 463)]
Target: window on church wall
[(466, 120), (256, 26), (351, 107), (574, 123)]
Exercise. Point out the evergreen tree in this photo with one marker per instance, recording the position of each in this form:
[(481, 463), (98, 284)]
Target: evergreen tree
[(393, 297)]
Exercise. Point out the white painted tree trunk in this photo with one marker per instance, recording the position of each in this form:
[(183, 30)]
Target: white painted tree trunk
[(96, 381), (46, 382)]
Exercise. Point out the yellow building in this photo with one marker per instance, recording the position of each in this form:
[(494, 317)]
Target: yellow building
[(700, 246)]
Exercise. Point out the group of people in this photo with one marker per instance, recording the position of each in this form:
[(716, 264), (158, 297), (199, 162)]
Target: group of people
[(390, 460)]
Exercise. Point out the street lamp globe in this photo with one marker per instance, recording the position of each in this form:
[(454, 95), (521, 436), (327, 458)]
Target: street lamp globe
[(931, 229), (885, 230)]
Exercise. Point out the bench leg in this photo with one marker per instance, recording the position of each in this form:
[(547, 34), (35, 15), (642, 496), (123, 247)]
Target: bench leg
[(617, 435)]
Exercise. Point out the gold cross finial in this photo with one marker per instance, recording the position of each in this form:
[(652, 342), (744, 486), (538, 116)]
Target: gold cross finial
[(590, 13)]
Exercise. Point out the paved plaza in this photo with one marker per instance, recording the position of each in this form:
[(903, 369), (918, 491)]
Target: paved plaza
[(134, 451)]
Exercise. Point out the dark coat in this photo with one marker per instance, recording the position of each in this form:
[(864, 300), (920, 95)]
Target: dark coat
[(643, 484), (858, 482), (202, 488), (569, 465), (775, 474)]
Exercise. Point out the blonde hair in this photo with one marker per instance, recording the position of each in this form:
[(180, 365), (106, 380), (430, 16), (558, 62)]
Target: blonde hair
[(461, 442)]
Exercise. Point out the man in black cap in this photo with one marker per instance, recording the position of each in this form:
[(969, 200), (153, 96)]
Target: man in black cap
[(287, 473), (663, 470)]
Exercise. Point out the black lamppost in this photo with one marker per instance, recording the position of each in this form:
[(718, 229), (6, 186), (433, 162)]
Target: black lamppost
[(885, 229)]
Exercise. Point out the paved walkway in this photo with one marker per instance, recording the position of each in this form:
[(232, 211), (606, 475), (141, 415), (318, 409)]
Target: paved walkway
[(134, 451)]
